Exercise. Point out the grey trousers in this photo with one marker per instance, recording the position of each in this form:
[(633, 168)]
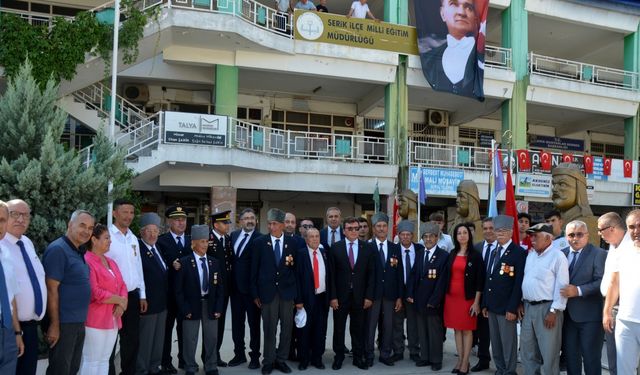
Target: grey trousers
[(431, 332), (282, 311), (8, 351), (151, 343), (190, 329), (540, 346), (504, 344), (409, 313), (381, 311), (65, 356)]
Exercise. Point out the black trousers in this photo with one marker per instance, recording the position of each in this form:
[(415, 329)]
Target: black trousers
[(28, 362), (65, 356), (481, 338), (312, 337), (129, 336), (243, 309), (172, 316), (356, 314)]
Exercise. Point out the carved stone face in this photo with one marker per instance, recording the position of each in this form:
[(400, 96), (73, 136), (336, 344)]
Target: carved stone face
[(563, 192), (462, 204), (403, 206)]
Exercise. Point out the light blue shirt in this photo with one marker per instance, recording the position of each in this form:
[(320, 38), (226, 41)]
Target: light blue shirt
[(308, 6)]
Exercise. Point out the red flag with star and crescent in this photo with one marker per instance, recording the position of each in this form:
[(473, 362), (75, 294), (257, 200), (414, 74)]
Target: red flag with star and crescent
[(606, 166), (567, 158), (545, 160), (588, 164), (524, 162), (628, 168)]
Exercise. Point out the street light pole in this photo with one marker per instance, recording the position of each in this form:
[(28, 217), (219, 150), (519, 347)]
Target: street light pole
[(112, 112)]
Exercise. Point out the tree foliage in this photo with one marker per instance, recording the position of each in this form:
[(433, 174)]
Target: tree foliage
[(39, 170)]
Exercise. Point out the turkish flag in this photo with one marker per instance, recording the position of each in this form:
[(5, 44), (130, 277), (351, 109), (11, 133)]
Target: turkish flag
[(524, 162), (567, 158), (588, 164), (606, 166), (628, 168), (545, 160)]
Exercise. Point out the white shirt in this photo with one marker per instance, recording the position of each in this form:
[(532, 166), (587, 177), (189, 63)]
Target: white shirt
[(359, 10), (384, 249), (200, 270), (280, 244), (455, 56), (570, 256), (445, 242), (429, 253), (626, 264), (355, 249), (544, 276), (504, 248), (220, 237), (125, 252), (494, 245), (175, 238), (25, 298), (322, 271), (283, 5), (9, 276), (338, 234), (560, 243), (241, 237), (412, 258), (612, 254), (155, 252)]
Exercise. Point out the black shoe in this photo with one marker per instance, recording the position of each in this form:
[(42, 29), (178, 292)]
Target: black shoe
[(422, 363), (237, 360), (369, 362), (319, 366), (362, 365), (254, 364), (181, 365), (480, 366), (221, 363), (436, 366), (397, 357), (414, 357), (267, 369), (302, 366), (455, 371), (212, 372), (189, 373), (386, 361), (337, 364), (169, 369), (282, 366)]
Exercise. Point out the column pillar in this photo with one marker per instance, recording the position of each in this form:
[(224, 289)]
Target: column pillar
[(515, 36), (226, 90), (224, 198), (631, 124)]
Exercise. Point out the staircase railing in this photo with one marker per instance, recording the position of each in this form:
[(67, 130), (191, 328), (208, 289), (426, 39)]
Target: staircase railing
[(98, 98)]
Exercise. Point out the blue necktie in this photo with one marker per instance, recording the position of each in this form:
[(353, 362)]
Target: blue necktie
[(241, 244), (205, 275), (407, 265), (573, 261), (276, 251), (154, 251), (179, 243), (35, 285), (4, 301), (382, 258)]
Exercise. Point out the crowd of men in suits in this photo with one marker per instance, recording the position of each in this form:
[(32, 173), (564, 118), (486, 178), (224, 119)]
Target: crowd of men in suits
[(287, 282)]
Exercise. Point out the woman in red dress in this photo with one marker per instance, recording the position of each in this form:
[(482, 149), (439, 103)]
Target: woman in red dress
[(462, 301)]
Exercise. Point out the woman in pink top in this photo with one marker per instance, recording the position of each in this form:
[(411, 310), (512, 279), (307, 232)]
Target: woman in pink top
[(108, 302)]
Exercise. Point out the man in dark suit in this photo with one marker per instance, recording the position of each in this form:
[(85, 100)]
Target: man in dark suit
[(332, 233), (313, 273), (152, 321), (481, 334), (351, 292), (200, 294), (408, 311), (389, 291), (242, 305), (273, 288), (502, 295), (173, 245), (290, 225), (425, 292), (583, 334), (220, 248)]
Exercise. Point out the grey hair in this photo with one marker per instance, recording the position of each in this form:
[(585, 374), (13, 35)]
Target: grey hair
[(333, 209), (578, 224), (76, 214), (4, 205)]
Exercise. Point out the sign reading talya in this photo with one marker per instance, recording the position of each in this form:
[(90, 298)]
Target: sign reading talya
[(195, 129), (355, 32)]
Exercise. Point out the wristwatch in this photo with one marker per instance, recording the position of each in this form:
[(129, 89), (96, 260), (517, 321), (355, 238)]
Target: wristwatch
[(552, 310), (18, 333)]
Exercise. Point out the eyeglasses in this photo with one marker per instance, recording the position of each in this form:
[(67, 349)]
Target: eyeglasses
[(307, 226), (15, 215), (576, 235), (600, 230), (349, 229)]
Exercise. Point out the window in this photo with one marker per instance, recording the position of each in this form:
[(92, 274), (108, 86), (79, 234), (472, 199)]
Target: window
[(425, 133), (252, 115), (311, 122), (608, 150), (472, 136)]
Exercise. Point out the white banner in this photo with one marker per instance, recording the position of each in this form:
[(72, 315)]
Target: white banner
[(195, 129)]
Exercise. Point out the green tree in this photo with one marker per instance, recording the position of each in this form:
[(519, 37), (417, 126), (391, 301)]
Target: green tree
[(41, 171)]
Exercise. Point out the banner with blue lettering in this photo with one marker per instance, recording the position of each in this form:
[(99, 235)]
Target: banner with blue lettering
[(451, 42)]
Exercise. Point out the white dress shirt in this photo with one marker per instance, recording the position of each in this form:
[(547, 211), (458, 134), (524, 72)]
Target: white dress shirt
[(241, 237), (322, 271), (384, 249), (544, 276), (626, 264), (428, 254), (612, 255), (25, 297), (338, 234), (200, 271), (9, 276), (445, 242), (124, 250), (455, 56), (175, 238), (494, 245), (412, 258), (155, 252)]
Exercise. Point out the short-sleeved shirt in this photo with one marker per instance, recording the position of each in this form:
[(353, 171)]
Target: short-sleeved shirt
[(359, 10), (283, 5), (308, 6), (64, 263), (626, 264), (322, 8)]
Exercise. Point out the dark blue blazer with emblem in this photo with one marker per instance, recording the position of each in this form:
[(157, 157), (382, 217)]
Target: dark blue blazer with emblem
[(587, 274), (269, 278), (188, 295), (389, 277), (427, 285), (503, 292), (304, 274), (225, 259), (155, 280), (170, 252), (242, 265)]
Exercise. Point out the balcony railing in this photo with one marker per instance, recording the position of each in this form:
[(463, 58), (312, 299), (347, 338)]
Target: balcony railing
[(438, 155), (581, 72), (497, 57), (35, 18), (98, 98)]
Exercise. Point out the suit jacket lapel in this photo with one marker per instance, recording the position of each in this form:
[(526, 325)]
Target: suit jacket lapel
[(583, 254)]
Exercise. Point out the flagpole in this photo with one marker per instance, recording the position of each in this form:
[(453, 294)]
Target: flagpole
[(420, 177)]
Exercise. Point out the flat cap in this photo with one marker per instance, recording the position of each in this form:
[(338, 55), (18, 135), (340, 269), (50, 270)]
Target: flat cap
[(431, 228), (221, 217), (276, 214), (173, 212), (149, 218), (406, 226), (502, 222), (378, 217), (541, 228), (199, 232)]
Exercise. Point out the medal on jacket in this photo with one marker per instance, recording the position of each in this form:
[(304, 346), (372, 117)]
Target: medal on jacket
[(215, 278), (511, 271), (432, 274), (502, 269)]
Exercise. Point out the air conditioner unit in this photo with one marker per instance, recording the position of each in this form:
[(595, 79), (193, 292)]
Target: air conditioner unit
[(437, 118), (136, 93)]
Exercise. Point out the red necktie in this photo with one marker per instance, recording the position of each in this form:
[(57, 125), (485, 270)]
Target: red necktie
[(316, 270), (352, 260)]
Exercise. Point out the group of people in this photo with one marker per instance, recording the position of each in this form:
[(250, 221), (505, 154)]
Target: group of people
[(96, 283), (358, 9)]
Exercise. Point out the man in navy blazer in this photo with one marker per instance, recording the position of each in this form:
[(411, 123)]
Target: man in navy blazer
[(173, 245), (290, 225), (332, 232), (503, 294), (425, 291), (273, 288), (200, 298), (313, 273), (583, 334), (242, 306), (351, 292)]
